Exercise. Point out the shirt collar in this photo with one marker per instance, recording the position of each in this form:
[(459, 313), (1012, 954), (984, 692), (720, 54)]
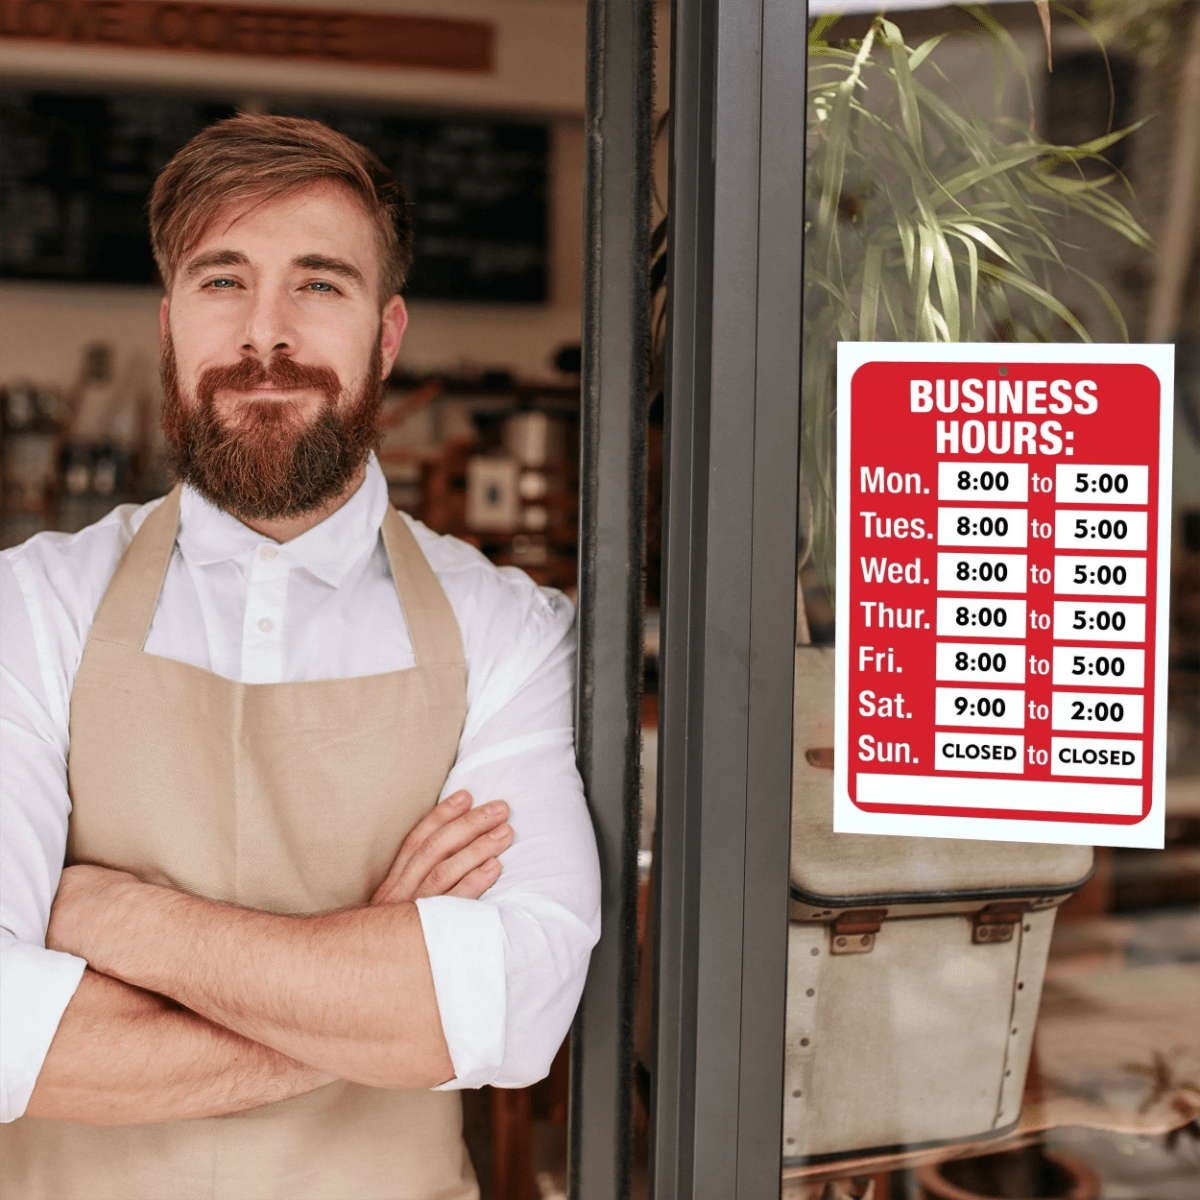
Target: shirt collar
[(208, 534)]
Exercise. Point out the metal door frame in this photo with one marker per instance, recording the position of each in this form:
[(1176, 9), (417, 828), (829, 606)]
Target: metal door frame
[(731, 485), (612, 505), (729, 612)]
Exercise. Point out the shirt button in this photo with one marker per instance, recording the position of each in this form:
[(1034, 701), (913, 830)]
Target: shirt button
[(267, 553), (266, 624)]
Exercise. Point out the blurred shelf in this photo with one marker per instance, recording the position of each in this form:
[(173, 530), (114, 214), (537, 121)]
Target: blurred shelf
[(1183, 797)]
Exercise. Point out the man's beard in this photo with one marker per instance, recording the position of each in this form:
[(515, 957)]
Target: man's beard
[(265, 464)]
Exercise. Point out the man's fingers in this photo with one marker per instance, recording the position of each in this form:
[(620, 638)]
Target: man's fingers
[(388, 892), (418, 861), (437, 818), (444, 843), (442, 813), (474, 884), (446, 875)]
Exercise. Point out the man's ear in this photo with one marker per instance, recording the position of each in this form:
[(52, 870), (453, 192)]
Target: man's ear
[(392, 322), (164, 317)]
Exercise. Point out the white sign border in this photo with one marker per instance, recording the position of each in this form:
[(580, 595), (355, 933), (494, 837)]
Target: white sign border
[(1147, 834)]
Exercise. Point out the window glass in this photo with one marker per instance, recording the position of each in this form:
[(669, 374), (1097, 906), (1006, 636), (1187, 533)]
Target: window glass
[(974, 1017)]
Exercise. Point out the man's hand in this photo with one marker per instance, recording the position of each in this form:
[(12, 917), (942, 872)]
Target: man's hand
[(454, 851)]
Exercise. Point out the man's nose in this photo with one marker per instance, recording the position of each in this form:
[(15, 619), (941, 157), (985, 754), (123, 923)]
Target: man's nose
[(269, 327)]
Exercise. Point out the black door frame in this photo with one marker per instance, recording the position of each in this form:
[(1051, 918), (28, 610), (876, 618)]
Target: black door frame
[(731, 485), (612, 502)]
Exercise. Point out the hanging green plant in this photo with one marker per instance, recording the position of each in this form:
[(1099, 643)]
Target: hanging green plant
[(928, 222)]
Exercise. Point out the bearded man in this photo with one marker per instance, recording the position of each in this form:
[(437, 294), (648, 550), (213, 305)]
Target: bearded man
[(253, 718)]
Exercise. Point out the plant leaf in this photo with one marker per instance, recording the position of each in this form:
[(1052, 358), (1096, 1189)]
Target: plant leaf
[(924, 274), (1043, 8), (824, 22), (1107, 300), (837, 136), (910, 109), (982, 237), (924, 50), (1035, 292), (947, 281), (972, 270), (868, 314)]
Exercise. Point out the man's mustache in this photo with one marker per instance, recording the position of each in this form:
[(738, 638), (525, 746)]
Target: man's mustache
[(279, 371)]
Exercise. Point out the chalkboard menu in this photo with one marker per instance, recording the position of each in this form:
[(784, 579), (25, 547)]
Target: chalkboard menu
[(478, 191), (76, 171)]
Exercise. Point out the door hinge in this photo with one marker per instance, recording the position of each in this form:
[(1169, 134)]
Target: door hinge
[(997, 922), (854, 931)]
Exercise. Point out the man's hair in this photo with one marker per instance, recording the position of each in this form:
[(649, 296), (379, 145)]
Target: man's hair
[(252, 157)]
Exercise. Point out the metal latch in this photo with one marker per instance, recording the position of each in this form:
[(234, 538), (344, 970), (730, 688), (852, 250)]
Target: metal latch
[(854, 931), (997, 922)]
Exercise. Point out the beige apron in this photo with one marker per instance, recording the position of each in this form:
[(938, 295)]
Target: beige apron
[(288, 797)]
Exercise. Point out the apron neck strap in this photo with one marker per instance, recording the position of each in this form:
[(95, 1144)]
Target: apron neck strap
[(127, 610), (432, 625)]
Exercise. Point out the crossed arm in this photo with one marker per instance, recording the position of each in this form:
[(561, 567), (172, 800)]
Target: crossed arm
[(192, 1008)]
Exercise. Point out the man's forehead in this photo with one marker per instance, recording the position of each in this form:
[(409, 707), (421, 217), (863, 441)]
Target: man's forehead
[(321, 220)]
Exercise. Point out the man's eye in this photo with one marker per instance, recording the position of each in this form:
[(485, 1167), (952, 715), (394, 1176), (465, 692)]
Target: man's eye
[(222, 284), (319, 285)]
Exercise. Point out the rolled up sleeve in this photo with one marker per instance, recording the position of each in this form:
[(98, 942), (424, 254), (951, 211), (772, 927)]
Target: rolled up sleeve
[(36, 984), (509, 968)]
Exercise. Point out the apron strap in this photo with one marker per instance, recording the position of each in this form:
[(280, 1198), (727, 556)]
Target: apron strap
[(127, 610), (432, 625)]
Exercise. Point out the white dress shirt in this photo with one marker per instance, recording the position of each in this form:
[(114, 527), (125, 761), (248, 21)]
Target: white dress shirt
[(509, 968)]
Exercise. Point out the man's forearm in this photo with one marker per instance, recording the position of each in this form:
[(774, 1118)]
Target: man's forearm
[(348, 992), (122, 1056)]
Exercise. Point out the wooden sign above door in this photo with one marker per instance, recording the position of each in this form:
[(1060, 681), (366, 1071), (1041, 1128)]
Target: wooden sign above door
[(258, 31)]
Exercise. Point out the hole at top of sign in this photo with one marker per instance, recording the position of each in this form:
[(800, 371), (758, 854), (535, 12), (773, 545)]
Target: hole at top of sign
[(1003, 370)]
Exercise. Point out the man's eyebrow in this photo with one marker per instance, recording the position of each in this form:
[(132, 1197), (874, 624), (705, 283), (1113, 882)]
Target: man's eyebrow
[(215, 258), (333, 266)]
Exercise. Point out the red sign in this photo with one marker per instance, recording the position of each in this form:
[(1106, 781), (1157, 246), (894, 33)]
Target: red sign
[(1002, 556)]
